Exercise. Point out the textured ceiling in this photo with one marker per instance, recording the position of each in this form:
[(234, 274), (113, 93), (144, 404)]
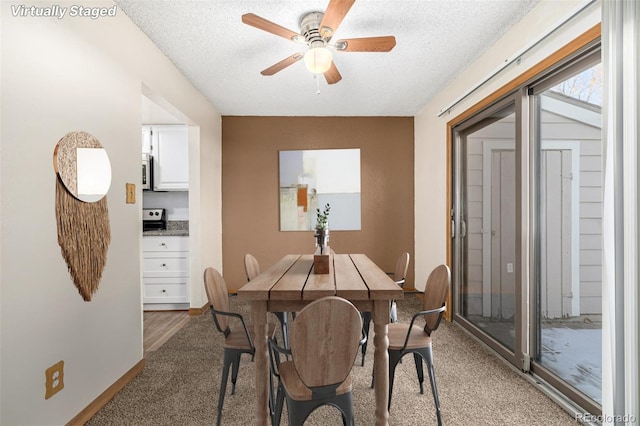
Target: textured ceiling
[(222, 57)]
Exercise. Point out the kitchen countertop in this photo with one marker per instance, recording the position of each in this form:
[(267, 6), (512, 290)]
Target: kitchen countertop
[(166, 233), (175, 228)]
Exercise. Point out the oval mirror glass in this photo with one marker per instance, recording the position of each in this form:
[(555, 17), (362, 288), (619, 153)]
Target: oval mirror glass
[(83, 166)]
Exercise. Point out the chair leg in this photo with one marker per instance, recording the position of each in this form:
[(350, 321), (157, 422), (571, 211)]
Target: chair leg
[(345, 405), (432, 379), (284, 324), (418, 360), (279, 403), (394, 312), (235, 366), (394, 359), (373, 377), (366, 321), (228, 359), (299, 411)]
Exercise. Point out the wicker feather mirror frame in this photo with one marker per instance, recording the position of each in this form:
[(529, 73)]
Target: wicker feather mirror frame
[(83, 177)]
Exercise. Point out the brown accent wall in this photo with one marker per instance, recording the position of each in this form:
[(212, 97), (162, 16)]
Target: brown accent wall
[(250, 195)]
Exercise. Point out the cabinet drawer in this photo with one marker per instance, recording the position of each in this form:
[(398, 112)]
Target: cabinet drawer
[(175, 266), (165, 244), (158, 290)]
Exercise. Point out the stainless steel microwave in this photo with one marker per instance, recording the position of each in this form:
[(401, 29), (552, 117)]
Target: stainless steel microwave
[(147, 172)]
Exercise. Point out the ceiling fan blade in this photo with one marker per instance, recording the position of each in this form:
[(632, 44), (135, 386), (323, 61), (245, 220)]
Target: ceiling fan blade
[(333, 16), (367, 44), (332, 75), (282, 64), (268, 26)]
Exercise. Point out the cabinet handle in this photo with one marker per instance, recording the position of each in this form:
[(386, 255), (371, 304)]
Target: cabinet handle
[(164, 291), (164, 265), (163, 244)]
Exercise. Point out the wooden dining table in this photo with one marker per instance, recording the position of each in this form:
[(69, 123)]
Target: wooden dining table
[(291, 283)]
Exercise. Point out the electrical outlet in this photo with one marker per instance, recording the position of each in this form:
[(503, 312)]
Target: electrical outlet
[(54, 379), (131, 193)]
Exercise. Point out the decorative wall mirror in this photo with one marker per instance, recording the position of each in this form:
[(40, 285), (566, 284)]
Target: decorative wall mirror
[(83, 174), (84, 166), (313, 178)]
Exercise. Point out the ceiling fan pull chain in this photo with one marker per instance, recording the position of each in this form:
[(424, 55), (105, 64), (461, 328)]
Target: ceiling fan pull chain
[(317, 83)]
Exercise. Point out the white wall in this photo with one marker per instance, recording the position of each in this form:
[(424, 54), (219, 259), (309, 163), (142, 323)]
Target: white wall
[(83, 74), (430, 130)]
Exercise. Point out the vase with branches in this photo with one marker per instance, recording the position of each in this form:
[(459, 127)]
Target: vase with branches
[(322, 226)]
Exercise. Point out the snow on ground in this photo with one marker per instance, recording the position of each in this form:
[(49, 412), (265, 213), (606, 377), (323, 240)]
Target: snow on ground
[(576, 356)]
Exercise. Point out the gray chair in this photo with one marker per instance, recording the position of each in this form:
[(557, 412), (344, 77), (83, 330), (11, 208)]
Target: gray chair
[(324, 345), (411, 338), (252, 269), (398, 275), (237, 341)]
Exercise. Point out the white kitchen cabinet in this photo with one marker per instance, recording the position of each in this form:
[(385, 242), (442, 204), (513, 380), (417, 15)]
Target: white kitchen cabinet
[(169, 146), (165, 271)]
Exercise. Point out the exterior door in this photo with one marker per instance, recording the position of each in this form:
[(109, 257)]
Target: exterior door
[(559, 237), (486, 237), (527, 208)]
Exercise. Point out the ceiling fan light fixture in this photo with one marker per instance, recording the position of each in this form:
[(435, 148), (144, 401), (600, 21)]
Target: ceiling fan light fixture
[(318, 60)]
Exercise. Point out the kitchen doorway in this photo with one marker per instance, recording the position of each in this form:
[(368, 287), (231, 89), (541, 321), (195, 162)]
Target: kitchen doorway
[(166, 264)]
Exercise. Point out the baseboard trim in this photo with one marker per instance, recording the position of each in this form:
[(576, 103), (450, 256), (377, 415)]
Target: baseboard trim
[(85, 415), (194, 312)]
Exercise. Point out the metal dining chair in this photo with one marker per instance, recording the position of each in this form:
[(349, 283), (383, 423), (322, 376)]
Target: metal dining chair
[(411, 338), (252, 269), (237, 341), (324, 345), (399, 276)]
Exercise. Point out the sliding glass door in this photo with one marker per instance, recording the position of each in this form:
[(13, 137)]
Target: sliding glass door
[(488, 296), (527, 227), (568, 292)]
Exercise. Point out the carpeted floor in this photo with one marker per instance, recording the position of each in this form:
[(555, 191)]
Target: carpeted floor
[(180, 386)]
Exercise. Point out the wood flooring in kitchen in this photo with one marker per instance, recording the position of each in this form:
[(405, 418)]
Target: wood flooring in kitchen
[(159, 326)]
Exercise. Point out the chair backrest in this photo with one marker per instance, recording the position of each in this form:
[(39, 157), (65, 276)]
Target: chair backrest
[(402, 265), (251, 266), (324, 341), (218, 295), (435, 295)]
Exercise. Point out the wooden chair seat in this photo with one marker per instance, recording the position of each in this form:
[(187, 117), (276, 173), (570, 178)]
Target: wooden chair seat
[(398, 334), (237, 338), (297, 390)]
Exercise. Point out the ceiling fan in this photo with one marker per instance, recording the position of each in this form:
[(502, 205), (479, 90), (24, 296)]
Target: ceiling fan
[(316, 30)]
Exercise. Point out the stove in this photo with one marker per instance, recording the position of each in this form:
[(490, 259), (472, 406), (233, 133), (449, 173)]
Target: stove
[(154, 219)]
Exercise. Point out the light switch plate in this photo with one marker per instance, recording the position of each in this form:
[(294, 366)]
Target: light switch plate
[(131, 193)]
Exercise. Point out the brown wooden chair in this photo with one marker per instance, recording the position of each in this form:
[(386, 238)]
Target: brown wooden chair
[(411, 338), (324, 344), (237, 341), (398, 275), (252, 269)]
